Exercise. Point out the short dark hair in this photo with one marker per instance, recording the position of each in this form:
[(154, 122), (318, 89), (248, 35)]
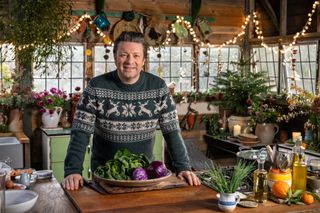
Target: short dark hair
[(131, 36)]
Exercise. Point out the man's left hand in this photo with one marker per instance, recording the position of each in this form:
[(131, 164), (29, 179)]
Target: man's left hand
[(191, 178)]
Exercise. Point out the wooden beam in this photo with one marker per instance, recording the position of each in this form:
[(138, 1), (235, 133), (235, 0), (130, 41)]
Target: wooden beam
[(283, 18), (267, 6), (286, 39)]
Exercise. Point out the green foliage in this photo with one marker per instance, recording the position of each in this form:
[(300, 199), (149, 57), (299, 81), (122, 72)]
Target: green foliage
[(122, 165), (240, 89), (221, 182), (38, 26), (15, 101), (212, 123)]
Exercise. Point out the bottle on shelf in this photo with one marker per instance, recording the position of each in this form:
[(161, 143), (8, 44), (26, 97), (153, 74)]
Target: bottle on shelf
[(260, 179), (299, 168)]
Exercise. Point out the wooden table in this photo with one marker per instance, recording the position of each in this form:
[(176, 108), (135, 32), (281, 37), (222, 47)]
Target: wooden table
[(199, 199)]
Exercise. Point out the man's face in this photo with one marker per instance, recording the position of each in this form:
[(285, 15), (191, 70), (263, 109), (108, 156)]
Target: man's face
[(129, 60)]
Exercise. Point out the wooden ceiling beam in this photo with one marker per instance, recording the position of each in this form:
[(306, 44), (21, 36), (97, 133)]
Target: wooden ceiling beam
[(267, 6)]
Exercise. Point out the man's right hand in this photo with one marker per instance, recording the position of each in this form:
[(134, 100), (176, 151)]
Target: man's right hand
[(72, 182)]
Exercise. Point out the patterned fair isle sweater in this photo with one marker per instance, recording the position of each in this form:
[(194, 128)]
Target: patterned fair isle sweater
[(124, 116)]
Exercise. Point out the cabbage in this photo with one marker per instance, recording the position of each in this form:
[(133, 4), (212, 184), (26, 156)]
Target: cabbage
[(139, 174), (157, 169)]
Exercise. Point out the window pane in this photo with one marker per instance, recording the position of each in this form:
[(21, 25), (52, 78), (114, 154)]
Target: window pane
[(61, 77), (176, 63), (7, 67)]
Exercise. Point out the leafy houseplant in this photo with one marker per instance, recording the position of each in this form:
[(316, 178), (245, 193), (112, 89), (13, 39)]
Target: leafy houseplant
[(263, 113), (240, 89), (35, 28)]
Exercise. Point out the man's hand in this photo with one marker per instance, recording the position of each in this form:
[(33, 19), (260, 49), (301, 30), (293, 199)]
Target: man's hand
[(72, 182), (190, 177)]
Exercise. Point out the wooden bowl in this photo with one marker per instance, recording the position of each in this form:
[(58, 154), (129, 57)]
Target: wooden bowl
[(248, 137)]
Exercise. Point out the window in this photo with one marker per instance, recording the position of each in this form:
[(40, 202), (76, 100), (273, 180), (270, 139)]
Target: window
[(211, 58), (7, 67), (173, 64), (65, 78), (103, 60), (303, 60), (266, 59)]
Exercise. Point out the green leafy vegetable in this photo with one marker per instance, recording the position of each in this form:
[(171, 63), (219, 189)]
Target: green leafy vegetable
[(122, 165)]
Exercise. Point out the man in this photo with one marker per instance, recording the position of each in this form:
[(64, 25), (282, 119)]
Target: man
[(122, 109)]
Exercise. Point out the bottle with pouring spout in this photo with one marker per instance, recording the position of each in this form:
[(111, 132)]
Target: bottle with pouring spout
[(260, 179), (299, 168)]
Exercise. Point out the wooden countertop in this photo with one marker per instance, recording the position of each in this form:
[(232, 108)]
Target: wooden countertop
[(200, 199)]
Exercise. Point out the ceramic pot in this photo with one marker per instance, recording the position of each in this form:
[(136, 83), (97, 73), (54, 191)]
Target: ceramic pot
[(51, 120), (266, 132), (240, 120), (227, 202)]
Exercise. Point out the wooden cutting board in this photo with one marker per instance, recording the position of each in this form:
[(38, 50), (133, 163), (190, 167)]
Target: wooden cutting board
[(171, 182)]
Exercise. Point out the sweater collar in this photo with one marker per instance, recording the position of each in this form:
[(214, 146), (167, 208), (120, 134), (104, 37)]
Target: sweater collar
[(130, 87)]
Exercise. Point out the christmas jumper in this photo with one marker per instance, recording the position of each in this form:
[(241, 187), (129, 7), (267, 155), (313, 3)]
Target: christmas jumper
[(124, 116)]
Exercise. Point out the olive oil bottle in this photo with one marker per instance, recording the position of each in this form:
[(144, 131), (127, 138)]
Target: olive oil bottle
[(260, 179), (299, 167)]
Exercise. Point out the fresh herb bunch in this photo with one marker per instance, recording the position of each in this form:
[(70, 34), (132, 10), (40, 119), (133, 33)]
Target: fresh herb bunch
[(223, 183), (122, 165)]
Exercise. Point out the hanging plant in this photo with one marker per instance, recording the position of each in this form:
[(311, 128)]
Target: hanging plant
[(35, 28)]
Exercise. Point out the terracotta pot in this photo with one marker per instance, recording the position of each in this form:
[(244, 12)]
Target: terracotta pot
[(266, 132), (16, 120)]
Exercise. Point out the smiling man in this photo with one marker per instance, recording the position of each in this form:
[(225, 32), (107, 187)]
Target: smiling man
[(122, 110)]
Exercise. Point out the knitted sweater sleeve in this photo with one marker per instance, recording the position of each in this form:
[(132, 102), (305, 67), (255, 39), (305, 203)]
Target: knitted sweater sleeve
[(169, 125), (82, 128)]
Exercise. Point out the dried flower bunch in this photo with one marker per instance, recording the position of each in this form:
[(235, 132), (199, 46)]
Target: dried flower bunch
[(49, 100)]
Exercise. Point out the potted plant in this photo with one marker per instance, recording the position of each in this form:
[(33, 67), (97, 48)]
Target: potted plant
[(227, 184), (238, 90), (263, 119), (51, 105)]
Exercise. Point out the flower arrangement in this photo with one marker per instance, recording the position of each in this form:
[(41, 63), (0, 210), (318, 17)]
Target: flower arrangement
[(263, 113), (50, 100)]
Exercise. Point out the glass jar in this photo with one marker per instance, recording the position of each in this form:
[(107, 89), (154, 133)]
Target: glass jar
[(277, 174)]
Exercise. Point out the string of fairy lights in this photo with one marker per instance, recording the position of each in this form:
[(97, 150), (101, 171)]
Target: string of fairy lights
[(182, 23)]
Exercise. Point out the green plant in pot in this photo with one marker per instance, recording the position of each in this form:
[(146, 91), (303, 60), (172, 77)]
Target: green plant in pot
[(227, 184), (238, 90)]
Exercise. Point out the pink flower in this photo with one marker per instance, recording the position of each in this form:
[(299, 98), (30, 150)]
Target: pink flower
[(54, 90), (49, 101), (249, 102)]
